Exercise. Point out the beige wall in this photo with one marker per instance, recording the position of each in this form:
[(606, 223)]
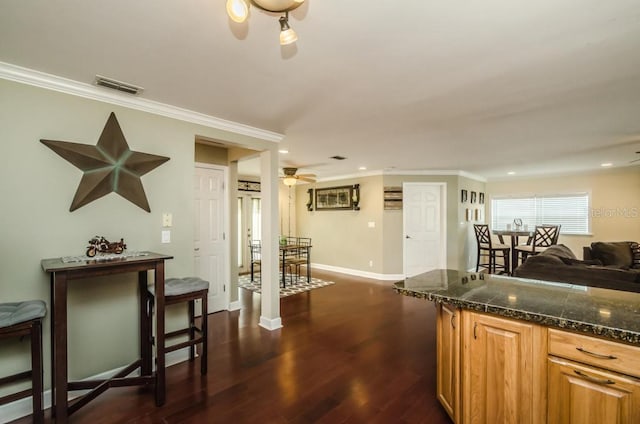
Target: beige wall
[(615, 201), (344, 239), (37, 187), (214, 155), (466, 235)]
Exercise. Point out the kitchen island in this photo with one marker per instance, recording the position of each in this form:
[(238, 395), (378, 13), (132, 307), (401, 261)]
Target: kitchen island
[(526, 351)]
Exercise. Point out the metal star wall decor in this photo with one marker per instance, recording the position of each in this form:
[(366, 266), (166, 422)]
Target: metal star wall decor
[(108, 166)]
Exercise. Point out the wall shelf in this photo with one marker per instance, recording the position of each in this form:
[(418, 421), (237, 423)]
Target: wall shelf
[(392, 198)]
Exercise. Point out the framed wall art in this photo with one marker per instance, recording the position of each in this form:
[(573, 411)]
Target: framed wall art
[(335, 198)]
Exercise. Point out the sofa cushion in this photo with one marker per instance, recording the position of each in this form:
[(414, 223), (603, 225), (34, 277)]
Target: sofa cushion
[(560, 251), (635, 253), (617, 253)]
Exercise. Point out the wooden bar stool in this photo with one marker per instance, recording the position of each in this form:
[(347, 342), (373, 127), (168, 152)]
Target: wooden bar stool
[(21, 319), (179, 290)]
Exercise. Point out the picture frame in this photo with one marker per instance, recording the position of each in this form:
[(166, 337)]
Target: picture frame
[(463, 196), (481, 198), (473, 197), (335, 198)]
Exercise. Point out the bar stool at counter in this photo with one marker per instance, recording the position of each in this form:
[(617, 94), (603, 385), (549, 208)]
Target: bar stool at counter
[(21, 319), (188, 289), (487, 249)]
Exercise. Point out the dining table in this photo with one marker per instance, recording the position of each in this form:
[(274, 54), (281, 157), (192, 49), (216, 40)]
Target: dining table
[(514, 234)]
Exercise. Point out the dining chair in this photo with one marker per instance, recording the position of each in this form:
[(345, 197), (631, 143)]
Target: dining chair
[(20, 320), (487, 249), (300, 256), (543, 237), (256, 257)]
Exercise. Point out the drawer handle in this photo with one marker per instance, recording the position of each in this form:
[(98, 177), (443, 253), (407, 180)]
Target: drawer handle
[(597, 355), (593, 379)]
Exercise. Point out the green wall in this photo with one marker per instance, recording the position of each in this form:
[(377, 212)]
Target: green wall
[(37, 187)]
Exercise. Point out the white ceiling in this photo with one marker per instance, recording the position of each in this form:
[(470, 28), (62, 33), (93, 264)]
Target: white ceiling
[(490, 86)]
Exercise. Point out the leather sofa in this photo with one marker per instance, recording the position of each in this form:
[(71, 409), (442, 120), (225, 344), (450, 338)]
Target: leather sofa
[(609, 265)]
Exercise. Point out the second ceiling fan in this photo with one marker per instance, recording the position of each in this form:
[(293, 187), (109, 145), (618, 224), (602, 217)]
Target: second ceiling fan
[(290, 177)]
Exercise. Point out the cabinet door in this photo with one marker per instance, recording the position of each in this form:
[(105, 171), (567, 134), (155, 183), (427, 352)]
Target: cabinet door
[(579, 394), (504, 377), (448, 359)]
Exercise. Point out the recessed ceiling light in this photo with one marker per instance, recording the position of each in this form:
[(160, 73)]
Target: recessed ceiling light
[(606, 164), (283, 151), (511, 173), (362, 168)]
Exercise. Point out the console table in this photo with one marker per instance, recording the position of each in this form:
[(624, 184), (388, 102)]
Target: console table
[(61, 273)]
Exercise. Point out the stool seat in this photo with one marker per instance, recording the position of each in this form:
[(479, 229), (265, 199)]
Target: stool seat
[(16, 312), (178, 286)]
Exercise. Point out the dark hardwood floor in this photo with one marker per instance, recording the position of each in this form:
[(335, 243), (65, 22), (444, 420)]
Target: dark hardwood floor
[(354, 352)]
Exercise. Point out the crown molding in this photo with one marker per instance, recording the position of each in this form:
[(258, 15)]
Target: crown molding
[(88, 91), (406, 173)]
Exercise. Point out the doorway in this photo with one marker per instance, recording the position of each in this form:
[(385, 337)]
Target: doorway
[(211, 244), (424, 227), (249, 227)]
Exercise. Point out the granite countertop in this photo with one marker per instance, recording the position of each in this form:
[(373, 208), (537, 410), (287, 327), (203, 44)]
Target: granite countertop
[(613, 314)]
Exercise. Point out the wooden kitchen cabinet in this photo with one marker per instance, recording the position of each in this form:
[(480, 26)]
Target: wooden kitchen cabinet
[(592, 381), (504, 370), (448, 359)]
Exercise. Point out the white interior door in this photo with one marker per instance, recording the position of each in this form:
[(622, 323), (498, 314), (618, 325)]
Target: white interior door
[(210, 244), (424, 224)]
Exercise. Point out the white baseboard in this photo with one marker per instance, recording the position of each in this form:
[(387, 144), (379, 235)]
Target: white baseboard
[(22, 407), (235, 306), (360, 273), (270, 324)]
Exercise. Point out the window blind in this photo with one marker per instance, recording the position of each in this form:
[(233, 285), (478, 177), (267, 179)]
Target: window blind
[(569, 210)]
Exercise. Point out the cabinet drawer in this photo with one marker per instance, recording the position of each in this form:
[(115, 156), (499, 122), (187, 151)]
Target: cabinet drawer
[(583, 394), (593, 351)]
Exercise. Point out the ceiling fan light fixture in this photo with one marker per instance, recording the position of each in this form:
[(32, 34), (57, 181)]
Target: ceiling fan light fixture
[(289, 181), (287, 35), (238, 10)]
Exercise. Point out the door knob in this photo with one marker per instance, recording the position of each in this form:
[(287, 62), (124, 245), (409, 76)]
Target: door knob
[(196, 249), (407, 237)]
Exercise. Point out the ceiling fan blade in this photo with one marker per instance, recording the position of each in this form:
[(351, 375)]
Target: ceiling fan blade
[(307, 179), (307, 175)]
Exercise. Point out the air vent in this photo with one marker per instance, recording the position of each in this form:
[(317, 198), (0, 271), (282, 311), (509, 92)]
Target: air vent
[(337, 157), (117, 85)]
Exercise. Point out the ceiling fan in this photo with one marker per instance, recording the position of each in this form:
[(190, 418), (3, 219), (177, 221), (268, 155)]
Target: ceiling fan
[(290, 177)]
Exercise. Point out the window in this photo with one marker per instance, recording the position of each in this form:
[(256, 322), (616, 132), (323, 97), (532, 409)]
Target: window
[(569, 210)]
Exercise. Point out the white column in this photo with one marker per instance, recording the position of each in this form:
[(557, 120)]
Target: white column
[(234, 301), (270, 315)]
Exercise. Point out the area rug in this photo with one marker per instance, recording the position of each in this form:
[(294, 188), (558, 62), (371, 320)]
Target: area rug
[(295, 287)]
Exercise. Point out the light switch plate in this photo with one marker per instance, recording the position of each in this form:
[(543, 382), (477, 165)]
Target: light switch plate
[(167, 220), (372, 224), (166, 236)]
